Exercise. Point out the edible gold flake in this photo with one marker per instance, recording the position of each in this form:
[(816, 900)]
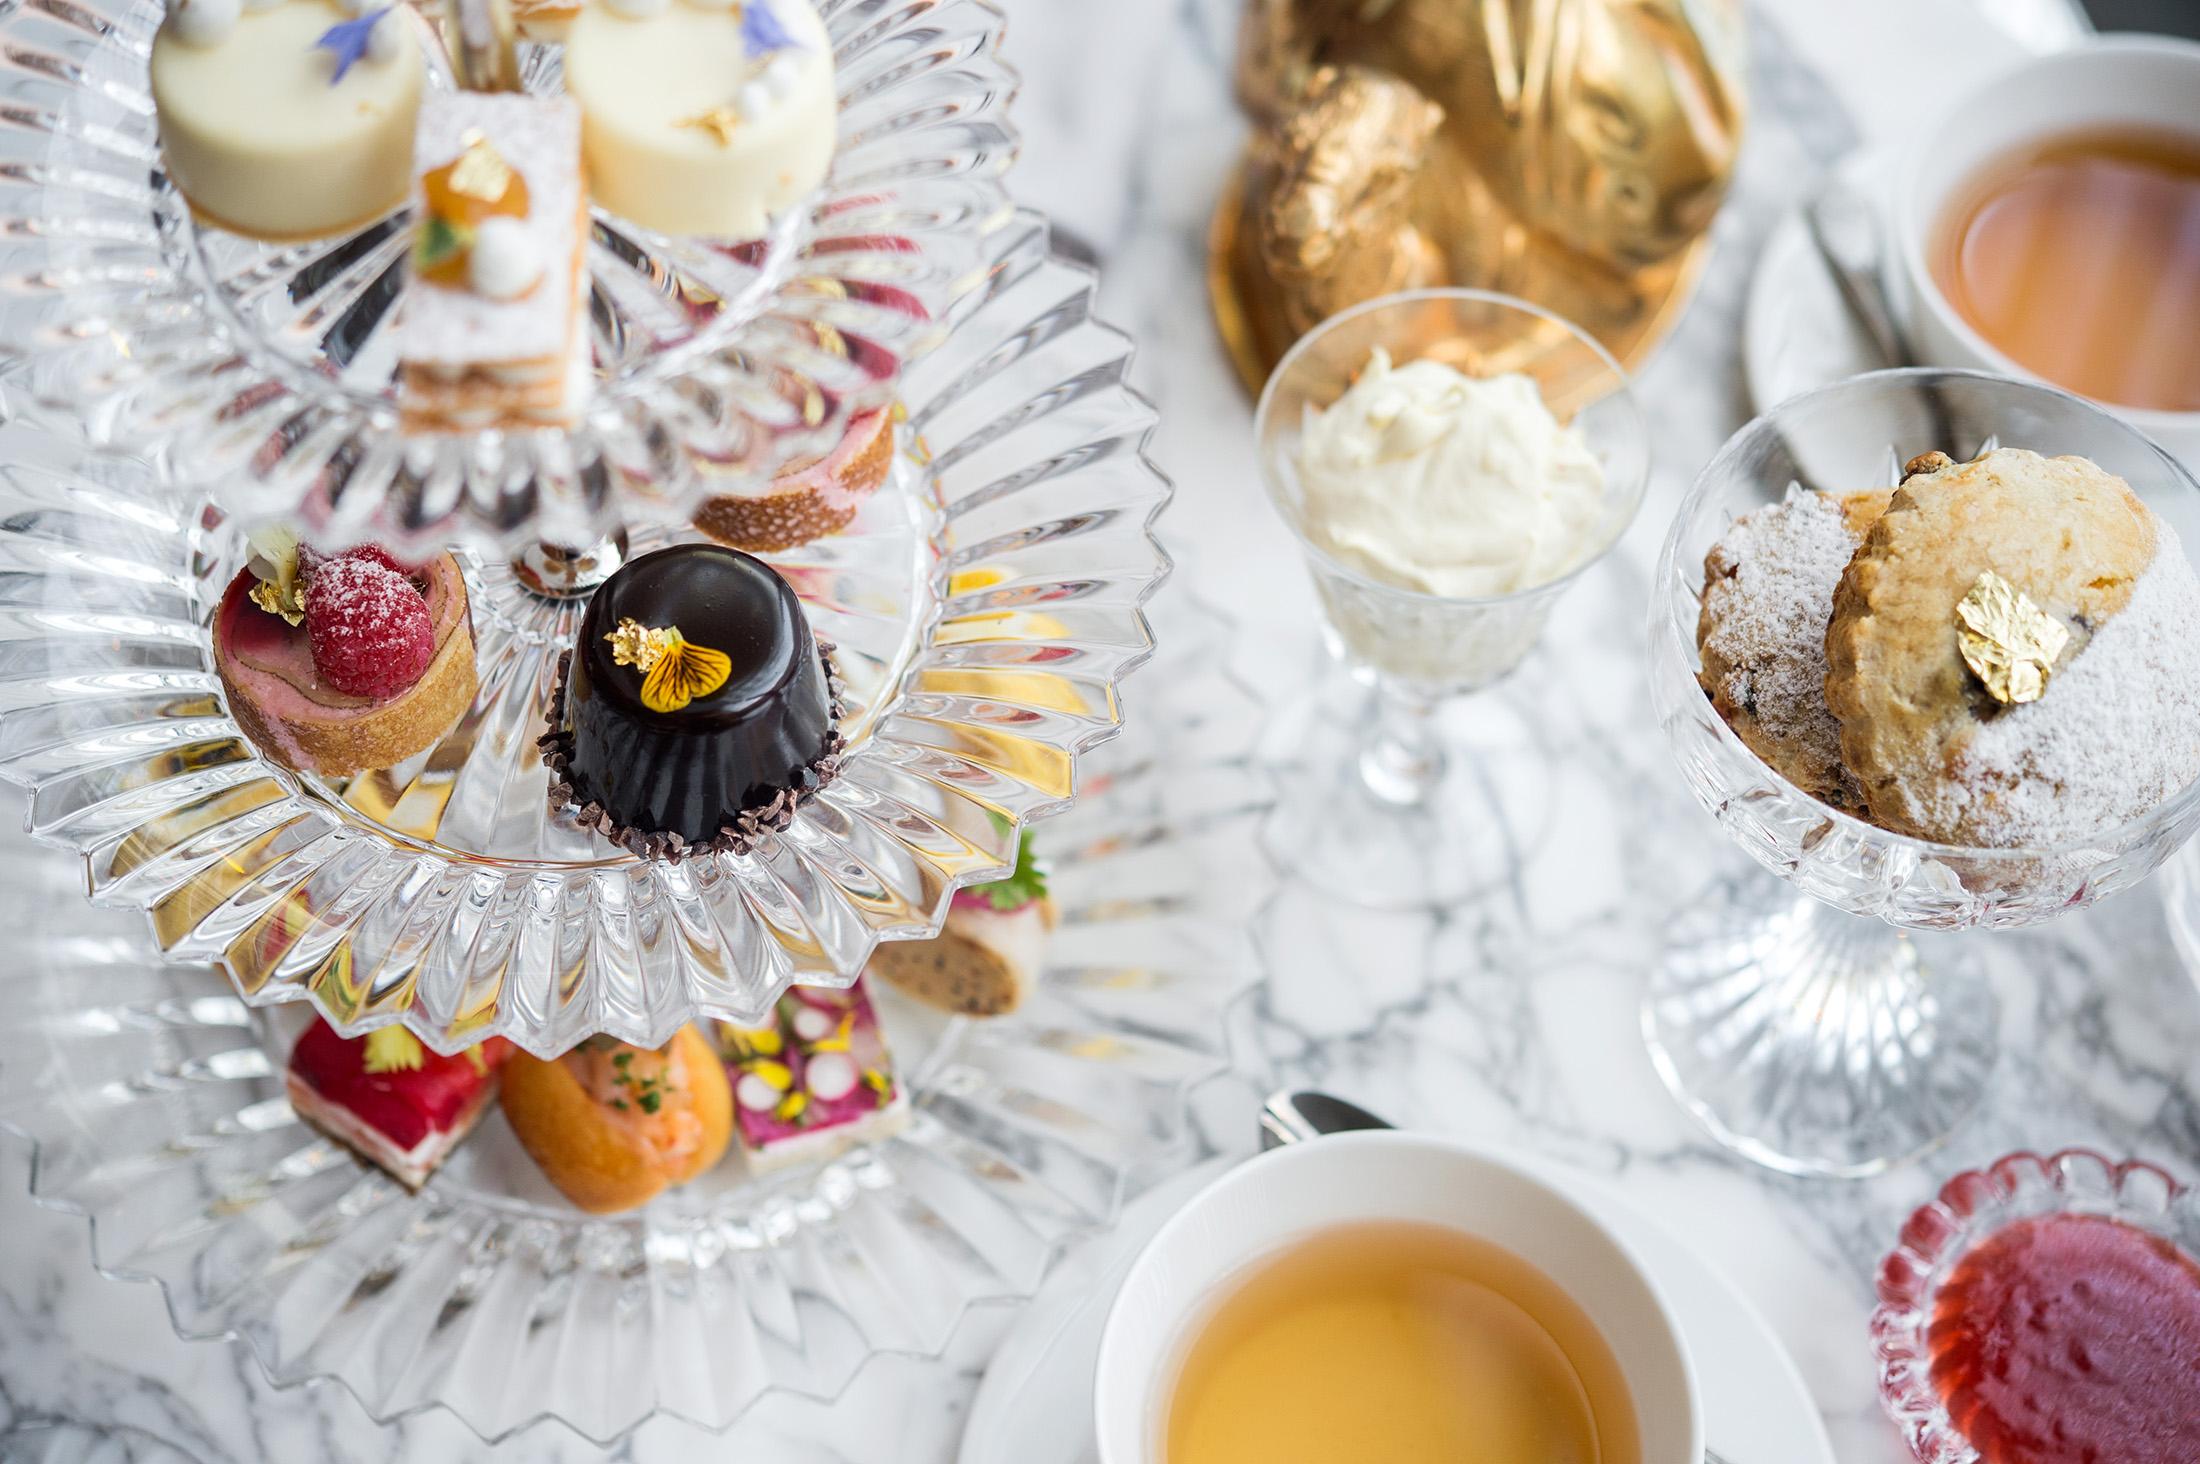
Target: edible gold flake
[(480, 172), (720, 122), (274, 563), (640, 646), (277, 599), (675, 671), (2009, 643)]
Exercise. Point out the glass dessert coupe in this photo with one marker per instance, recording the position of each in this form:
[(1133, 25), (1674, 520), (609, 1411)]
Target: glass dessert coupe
[(985, 605), (1794, 1015), (155, 1100), (266, 371), (1925, 1342), (1388, 807)]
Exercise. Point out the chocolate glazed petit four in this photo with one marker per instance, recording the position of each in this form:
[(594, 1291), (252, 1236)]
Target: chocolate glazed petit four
[(697, 709)]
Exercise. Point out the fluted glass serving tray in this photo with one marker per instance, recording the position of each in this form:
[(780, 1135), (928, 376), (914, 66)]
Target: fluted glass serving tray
[(985, 605), (264, 373), (155, 1100)]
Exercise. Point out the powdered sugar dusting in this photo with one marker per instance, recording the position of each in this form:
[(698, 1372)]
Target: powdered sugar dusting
[(368, 627), (2117, 732), (1768, 607)]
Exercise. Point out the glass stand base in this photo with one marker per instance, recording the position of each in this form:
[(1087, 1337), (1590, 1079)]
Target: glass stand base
[(1466, 832), (1814, 1041)]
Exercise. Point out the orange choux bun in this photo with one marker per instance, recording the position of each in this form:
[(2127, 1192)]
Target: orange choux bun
[(612, 1125)]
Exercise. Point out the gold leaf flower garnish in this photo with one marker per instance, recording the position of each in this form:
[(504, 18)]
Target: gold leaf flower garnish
[(274, 563), (280, 599), (2009, 643), (675, 671), (721, 122), (480, 172), (638, 645)]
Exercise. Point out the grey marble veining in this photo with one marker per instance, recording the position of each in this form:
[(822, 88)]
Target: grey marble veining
[(1510, 1018)]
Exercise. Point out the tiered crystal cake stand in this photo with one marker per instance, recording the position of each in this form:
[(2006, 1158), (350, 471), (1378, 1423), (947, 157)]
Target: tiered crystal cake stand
[(176, 386), (984, 604), (155, 1100), (268, 369)]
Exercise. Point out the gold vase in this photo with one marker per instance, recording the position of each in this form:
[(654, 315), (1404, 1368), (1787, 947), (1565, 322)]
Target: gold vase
[(1570, 152)]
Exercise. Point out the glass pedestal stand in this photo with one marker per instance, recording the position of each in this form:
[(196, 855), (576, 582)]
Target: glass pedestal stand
[(1394, 803), (1812, 1040)]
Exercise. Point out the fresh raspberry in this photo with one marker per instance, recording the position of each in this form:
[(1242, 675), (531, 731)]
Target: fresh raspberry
[(368, 627), (376, 554)]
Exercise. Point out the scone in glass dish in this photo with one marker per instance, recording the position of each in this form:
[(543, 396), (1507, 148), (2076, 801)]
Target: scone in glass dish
[(1927, 644)]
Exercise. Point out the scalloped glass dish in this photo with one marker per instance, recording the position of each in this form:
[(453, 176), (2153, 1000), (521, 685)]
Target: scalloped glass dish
[(265, 372), (1798, 1021), (155, 1100), (1969, 1208), (986, 603)]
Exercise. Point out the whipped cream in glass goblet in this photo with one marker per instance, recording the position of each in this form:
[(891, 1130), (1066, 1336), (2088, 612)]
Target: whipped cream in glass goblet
[(1441, 521), (1793, 1015)]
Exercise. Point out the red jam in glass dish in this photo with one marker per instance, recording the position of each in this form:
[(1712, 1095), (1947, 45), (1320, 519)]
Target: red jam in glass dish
[(2071, 1339)]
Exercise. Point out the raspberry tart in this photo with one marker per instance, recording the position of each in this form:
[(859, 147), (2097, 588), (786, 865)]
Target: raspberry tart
[(810, 500), (335, 665), (388, 1099)]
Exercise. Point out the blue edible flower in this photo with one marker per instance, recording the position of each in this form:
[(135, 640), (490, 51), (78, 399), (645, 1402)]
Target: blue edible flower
[(761, 32), (349, 39)]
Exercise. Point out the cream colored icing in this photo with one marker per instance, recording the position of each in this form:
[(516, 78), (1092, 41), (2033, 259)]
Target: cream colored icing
[(260, 141), (1464, 487), (638, 79)]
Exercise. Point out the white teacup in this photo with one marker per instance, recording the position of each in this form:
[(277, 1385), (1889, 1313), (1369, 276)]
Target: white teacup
[(1263, 1206), (2139, 82)]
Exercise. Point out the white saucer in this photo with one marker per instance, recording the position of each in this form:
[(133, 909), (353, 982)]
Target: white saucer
[(1035, 1404)]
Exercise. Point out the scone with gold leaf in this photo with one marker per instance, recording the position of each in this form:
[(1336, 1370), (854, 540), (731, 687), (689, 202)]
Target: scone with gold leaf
[(1767, 595), (2014, 654)]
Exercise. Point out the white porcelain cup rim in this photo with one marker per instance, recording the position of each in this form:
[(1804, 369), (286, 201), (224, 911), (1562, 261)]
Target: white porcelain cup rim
[(1129, 1374), (2007, 92)]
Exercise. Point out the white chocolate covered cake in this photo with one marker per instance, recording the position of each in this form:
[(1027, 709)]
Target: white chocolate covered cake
[(702, 118), (492, 335), (287, 119)]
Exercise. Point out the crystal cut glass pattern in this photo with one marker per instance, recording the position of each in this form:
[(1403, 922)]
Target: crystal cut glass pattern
[(986, 605), (265, 372), (1803, 1036), (1968, 1209), (154, 1098)]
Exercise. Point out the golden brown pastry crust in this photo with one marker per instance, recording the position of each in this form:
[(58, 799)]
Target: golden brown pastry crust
[(2070, 535), (1734, 661), (407, 723), (799, 506)]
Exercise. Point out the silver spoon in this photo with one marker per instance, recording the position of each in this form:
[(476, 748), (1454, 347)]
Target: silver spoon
[(1294, 1118)]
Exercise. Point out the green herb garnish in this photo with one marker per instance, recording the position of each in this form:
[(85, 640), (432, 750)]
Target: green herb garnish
[(1025, 883), (440, 242)]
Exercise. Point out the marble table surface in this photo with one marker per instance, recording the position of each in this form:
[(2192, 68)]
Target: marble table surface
[(1511, 1018)]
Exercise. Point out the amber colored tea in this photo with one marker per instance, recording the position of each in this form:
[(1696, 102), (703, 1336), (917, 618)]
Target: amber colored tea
[(2080, 259), (1399, 1342)]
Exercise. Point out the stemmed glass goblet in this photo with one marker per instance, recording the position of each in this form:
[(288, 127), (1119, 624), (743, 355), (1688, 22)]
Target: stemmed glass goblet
[(1384, 807), (1794, 1016)]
